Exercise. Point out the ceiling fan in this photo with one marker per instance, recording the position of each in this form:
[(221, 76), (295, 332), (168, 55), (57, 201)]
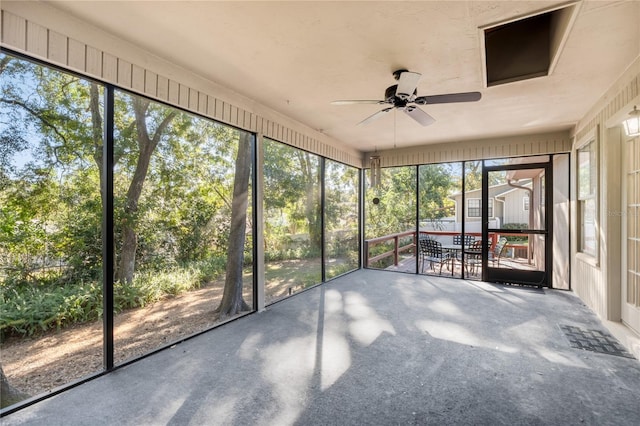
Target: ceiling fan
[(404, 96)]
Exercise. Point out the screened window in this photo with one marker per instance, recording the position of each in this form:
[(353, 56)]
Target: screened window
[(390, 218), (50, 217), (341, 223), (292, 220), (587, 200), (182, 191), (439, 186), (474, 207)]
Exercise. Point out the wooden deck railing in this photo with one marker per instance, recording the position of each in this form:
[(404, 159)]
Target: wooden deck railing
[(397, 248), (395, 252)]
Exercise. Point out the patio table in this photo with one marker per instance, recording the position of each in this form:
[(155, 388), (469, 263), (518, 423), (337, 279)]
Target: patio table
[(454, 250)]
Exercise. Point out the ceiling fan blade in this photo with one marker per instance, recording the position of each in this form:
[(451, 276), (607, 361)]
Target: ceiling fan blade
[(375, 116), (407, 84), (419, 115), (351, 102), (449, 98)]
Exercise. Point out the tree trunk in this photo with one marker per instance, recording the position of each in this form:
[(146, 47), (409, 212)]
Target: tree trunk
[(232, 300), (146, 147), (312, 208), (126, 268), (8, 394)]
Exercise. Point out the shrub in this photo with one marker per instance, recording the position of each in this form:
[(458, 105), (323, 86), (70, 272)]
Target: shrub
[(31, 308), (516, 238)]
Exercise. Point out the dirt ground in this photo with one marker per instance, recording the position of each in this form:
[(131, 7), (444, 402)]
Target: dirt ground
[(40, 364), (36, 365)]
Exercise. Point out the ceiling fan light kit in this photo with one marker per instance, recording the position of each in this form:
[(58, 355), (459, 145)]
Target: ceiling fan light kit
[(404, 96)]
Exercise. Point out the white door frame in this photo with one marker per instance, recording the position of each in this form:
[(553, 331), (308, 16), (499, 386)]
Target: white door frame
[(630, 312)]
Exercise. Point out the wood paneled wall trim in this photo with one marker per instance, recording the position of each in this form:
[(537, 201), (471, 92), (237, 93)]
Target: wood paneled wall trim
[(503, 147), (35, 40)]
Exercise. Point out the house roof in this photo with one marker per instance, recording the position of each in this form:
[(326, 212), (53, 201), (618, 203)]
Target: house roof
[(297, 57)]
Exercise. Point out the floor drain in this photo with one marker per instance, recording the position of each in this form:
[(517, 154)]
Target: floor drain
[(594, 341)]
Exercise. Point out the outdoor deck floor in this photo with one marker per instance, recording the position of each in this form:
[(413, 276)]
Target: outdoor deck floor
[(409, 265), (373, 348)]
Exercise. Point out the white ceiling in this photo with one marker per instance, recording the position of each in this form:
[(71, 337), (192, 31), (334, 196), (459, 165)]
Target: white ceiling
[(296, 57)]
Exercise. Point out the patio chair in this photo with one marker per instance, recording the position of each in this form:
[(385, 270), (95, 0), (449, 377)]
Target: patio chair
[(473, 256), (468, 239), (498, 251), (431, 251), (457, 240)]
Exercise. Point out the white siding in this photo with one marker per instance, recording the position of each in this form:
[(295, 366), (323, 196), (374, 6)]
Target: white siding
[(513, 207), (515, 146), (588, 282)]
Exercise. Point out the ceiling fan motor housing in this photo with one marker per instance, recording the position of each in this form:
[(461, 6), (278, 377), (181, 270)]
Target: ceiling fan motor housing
[(397, 100)]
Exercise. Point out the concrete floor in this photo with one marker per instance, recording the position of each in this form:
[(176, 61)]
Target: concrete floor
[(372, 348)]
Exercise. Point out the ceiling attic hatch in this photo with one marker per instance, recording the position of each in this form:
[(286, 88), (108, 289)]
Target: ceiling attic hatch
[(526, 47)]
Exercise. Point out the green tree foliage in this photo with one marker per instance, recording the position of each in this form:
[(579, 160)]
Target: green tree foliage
[(473, 176), (395, 210), (437, 183), (150, 126), (341, 218), (292, 183), (50, 178), (173, 192)]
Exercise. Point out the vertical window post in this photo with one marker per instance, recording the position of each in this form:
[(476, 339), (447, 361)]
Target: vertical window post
[(107, 229)]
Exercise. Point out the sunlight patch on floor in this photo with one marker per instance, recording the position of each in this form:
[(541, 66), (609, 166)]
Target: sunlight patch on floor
[(249, 348), (288, 367), (559, 358), (365, 325), (336, 354), (456, 333), (224, 407), (445, 307), (535, 335), (336, 358)]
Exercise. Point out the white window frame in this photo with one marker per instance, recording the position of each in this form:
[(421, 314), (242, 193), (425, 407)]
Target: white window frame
[(491, 207), (525, 203), (587, 194)]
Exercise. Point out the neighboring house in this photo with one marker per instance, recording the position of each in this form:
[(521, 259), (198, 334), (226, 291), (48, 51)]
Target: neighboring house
[(506, 205)]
